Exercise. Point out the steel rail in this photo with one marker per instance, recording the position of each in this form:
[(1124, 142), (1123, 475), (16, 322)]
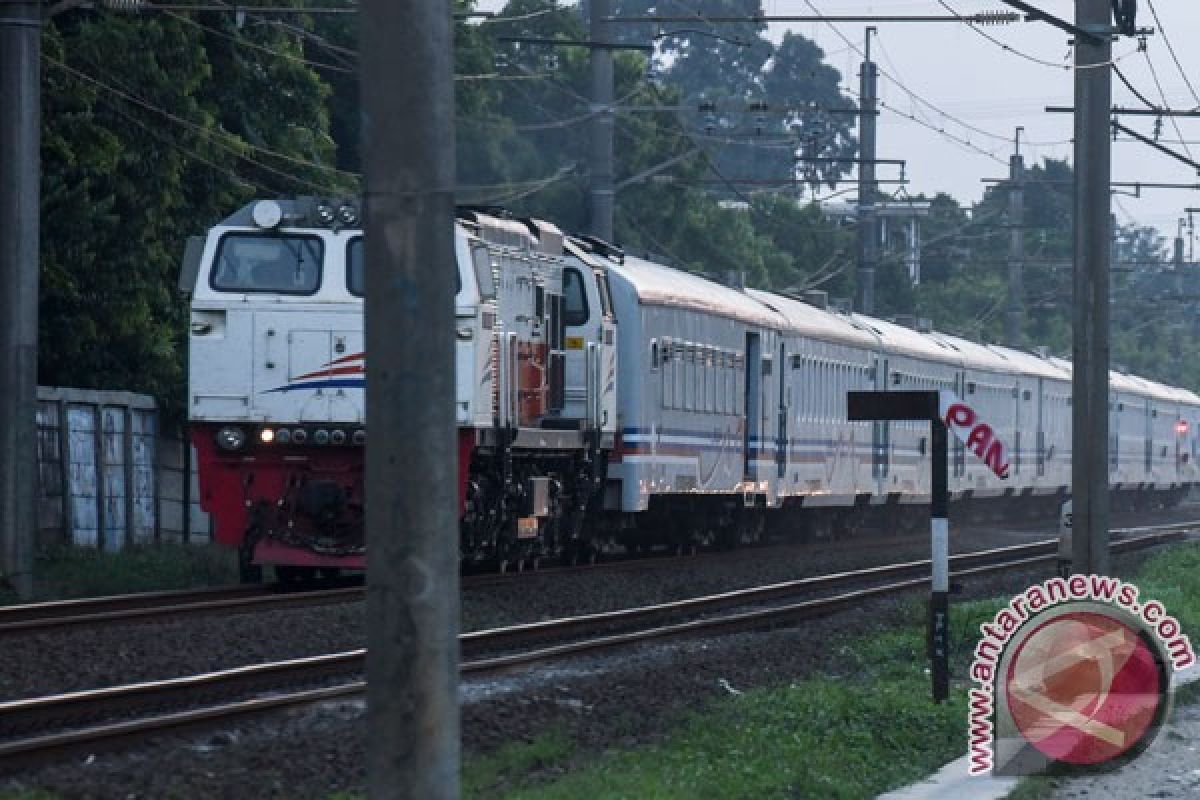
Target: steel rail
[(87, 705), (58, 614), (164, 605)]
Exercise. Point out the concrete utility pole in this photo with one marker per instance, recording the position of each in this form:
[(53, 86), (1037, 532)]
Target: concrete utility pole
[(1093, 174), (407, 94), (603, 118), (20, 145), (868, 238), (1015, 320)]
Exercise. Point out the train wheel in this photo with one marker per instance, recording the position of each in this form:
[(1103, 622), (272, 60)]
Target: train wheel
[(290, 575), (248, 571)]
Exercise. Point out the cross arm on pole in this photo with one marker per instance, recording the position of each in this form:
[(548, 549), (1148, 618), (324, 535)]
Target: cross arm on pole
[(1034, 13)]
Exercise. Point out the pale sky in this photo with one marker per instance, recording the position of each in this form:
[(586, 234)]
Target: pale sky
[(984, 86)]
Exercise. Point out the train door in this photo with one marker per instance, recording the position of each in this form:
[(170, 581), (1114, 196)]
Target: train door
[(1018, 421), (1149, 433), (753, 419), (580, 309), (781, 437), (1115, 407), (881, 432), (1041, 427), (960, 450)]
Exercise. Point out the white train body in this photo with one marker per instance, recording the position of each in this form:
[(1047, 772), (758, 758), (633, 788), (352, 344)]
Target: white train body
[(712, 412)]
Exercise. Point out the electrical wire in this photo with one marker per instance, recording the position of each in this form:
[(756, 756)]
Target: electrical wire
[(1171, 49), (218, 137), (1163, 95), (244, 42), (1134, 89), (918, 98)]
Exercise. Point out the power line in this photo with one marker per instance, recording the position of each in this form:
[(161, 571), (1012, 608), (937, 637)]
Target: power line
[(1133, 88), (216, 136), (918, 98), (1170, 48), (1163, 95)]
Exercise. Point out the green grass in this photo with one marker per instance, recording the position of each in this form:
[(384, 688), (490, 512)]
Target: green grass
[(514, 764), (78, 572), (868, 729)]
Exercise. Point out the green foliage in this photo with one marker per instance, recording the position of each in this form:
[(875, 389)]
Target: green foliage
[(820, 737), (76, 572), (156, 126)]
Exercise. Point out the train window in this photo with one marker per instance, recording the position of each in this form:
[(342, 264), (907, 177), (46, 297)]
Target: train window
[(605, 292), (714, 375), (356, 276), (254, 262), (576, 298)]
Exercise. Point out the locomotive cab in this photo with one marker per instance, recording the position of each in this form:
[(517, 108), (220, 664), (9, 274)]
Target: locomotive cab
[(277, 373)]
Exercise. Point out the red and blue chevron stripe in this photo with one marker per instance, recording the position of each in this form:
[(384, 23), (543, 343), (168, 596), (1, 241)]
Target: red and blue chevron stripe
[(347, 372)]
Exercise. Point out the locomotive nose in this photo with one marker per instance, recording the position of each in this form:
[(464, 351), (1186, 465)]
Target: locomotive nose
[(323, 500)]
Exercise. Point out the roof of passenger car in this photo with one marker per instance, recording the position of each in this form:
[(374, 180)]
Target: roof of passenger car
[(659, 285), (975, 355), (899, 340), (1030, 363), (816, 323)]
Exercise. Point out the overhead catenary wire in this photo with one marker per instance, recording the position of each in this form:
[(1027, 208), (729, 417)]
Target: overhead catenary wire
[(1162, 93), (1171, 49), (916, 97)]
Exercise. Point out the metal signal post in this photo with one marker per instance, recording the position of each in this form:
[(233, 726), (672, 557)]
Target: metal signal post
[(924, 406)]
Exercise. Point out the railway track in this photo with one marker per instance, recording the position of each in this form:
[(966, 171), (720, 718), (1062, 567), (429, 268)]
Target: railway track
[(51, 726), (169, 605)]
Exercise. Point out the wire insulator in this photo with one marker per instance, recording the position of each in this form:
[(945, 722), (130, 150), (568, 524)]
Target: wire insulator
[(124, 6), (994, 17)]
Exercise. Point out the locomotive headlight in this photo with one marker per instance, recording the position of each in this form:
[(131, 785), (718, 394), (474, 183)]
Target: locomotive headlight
[(231, 438), (338, 437), (325, 214), (321, 437), (267, 213), (299, 436), (283, 436), (266, 435), (360, 437), (347, 214)]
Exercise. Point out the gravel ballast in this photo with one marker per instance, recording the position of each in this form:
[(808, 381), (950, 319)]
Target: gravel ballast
[(602, 702)]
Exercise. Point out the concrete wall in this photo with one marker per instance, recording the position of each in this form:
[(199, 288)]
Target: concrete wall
[(107, 475)]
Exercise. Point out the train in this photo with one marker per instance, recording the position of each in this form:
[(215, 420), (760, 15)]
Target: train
[(608, 403)]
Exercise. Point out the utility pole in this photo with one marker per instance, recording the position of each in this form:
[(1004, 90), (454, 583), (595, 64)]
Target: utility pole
[(868, 238), (601, 187), (407, 93), (1015, 320), (1093, 174), (20, 145)]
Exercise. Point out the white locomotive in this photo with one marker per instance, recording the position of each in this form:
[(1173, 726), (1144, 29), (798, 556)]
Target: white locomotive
[(715, 412)]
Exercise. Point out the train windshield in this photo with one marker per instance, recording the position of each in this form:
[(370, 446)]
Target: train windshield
[(252, 262), (356, 275)]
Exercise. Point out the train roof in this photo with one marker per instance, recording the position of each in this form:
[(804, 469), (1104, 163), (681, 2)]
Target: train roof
[(899, 340), (1031, 363), (975, 355), (817, 323), (658, 285)]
